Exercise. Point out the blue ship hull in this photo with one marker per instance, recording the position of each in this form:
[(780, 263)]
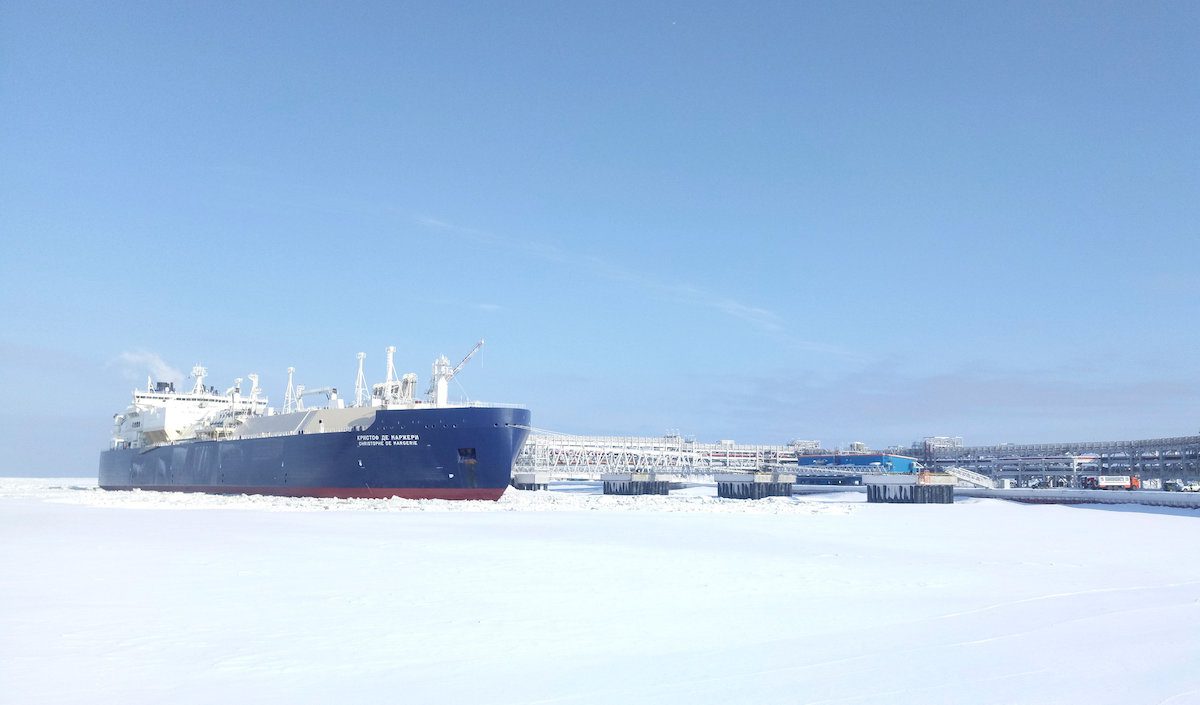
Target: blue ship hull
[(436, 453)]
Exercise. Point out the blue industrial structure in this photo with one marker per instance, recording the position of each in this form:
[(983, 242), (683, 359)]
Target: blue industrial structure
[(878, 462)]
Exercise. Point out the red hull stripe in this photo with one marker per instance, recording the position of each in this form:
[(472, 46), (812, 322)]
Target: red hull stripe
[(491, 493)]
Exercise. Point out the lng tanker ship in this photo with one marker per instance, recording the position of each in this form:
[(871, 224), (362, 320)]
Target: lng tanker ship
[(388, 443)]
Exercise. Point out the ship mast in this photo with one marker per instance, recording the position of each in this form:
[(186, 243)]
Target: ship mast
[(254, 389), (289, 396), (360, 383), (391, 367), (199, 372)]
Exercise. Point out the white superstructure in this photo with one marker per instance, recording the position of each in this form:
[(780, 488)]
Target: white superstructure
[(159, 414)]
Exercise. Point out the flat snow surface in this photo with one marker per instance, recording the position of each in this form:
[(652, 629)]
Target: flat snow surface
[(571, 597)]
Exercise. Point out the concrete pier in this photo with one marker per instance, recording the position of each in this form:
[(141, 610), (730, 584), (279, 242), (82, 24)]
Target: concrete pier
[(531, 480), (754, 485), (911, 488), (632, 483)]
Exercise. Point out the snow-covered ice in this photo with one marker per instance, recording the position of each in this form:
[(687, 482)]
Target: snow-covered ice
[(571, 597)]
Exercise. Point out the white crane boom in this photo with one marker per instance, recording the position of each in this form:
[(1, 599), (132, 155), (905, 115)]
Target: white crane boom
[(462, 363), (330, 393), (443, 373)]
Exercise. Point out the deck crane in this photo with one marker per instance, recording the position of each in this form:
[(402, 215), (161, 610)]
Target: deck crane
[(330, 393), (443, 373)]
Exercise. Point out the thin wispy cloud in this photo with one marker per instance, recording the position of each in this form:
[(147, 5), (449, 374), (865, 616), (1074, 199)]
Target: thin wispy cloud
[(432, 222), (982, 403), (483, 237), (761, 317), (764, 319), (135, 365)]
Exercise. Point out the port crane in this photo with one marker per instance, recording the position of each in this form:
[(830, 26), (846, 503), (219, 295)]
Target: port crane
[(443, 373)]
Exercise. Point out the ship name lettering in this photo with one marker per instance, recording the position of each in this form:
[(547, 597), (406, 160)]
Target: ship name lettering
[(385, 439)]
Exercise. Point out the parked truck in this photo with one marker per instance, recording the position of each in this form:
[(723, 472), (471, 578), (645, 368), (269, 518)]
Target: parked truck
[(1113, 482)]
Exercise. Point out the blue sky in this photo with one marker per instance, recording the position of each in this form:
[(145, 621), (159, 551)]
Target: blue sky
[(841, 221)]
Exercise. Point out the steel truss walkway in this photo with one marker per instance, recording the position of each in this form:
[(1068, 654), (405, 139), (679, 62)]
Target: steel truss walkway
[(1177, 457), (588, 457)]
